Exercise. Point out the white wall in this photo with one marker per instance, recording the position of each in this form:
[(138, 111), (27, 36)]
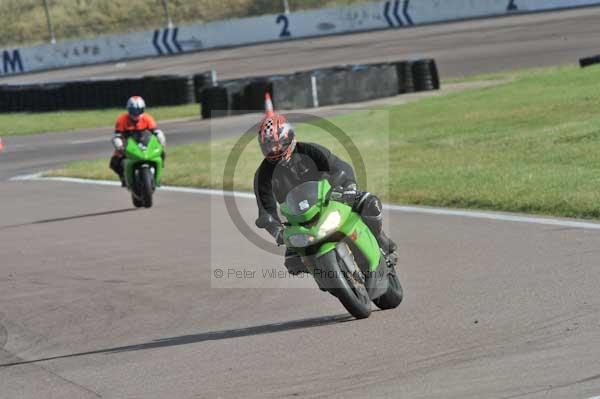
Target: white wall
[(269, 28)]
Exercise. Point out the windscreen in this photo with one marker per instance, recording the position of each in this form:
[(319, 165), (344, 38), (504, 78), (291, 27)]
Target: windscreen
[(302, 197), (142, 137)]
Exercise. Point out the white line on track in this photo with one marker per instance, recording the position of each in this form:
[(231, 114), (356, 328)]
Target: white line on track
[(394, 208)]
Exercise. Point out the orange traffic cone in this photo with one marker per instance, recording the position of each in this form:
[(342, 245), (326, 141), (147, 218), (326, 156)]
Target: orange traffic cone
[(268, 105)]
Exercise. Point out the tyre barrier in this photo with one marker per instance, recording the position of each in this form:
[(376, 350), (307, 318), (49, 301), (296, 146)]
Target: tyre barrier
[(425, 75), (254, 94), (94, 94), (355, 84), (406, 81), (201, 81), (235, 96), (326, 86), (215, 102), (588, 61), (294, 91)]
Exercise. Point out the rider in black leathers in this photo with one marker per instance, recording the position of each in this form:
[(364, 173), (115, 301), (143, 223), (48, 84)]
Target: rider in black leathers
[(289, 163)]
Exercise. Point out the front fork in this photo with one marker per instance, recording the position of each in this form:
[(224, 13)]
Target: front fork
[(338, 262)]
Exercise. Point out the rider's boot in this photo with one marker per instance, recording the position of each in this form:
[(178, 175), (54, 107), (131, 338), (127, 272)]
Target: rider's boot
[(371, 213), (386, 243), (389, 247), (116, 164)]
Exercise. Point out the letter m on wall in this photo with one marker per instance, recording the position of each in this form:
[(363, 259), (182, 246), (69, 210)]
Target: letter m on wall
[(11, 61)]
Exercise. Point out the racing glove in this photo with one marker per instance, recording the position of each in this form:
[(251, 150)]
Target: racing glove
[(347, 194), (117, 142), (160, 135)]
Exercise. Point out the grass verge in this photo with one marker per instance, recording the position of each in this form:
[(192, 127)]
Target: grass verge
[(23, 123), (529, 145)]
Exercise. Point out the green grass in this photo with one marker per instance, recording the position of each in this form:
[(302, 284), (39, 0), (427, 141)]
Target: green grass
[(24, 21), (530, 145), (22, 123)]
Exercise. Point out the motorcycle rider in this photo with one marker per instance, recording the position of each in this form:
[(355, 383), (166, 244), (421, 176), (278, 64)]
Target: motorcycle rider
[(135, 120), (288, 163)]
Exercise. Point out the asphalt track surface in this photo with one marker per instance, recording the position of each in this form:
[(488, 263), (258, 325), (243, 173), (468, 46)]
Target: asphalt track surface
[(99, 300)]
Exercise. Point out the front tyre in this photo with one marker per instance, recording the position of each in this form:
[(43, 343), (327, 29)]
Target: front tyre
[(138, 203), (394, 295), (146, 187), (355, 299), (350, 291)]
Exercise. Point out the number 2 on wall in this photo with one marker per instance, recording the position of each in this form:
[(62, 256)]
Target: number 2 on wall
[(286, 24)]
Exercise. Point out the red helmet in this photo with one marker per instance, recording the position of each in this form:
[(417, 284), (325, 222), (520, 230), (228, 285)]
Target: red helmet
[(276, 137)]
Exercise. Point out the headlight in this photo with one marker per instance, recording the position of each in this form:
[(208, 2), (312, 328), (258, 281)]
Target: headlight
[(300, 240), (330, 224)]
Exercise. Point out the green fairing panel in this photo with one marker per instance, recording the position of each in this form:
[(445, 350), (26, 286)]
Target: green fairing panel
[(135, 155), (359, 232), (352, 227), (364, 239)]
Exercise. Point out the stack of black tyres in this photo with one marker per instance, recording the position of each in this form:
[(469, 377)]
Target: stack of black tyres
[(236, 95), (94, 94), (215, 102), (202, 81), (406, 82), (356, 83), (292, 91), (588, 61), (254, 94), (425, 75)]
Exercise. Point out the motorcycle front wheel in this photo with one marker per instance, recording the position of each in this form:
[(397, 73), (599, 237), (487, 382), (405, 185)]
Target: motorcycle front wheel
[(350, 292), (146, 186)]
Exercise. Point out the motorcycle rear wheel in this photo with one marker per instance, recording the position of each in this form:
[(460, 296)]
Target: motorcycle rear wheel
[(394, 294)]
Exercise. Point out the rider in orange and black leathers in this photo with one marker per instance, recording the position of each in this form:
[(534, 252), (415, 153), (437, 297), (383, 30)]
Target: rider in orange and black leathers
[(135, 120)]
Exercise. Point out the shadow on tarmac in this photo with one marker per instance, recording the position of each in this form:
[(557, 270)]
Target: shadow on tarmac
[(67, 218), (208, 336)]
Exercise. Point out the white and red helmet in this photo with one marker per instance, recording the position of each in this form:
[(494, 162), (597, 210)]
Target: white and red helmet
[(136, 106), (275, 135)]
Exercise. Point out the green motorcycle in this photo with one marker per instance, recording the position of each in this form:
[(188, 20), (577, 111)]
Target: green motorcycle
[(338, 249), (143, 165)]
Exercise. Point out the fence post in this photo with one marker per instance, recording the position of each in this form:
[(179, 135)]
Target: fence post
[(286, 6), (167, 15), (49, 22)]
